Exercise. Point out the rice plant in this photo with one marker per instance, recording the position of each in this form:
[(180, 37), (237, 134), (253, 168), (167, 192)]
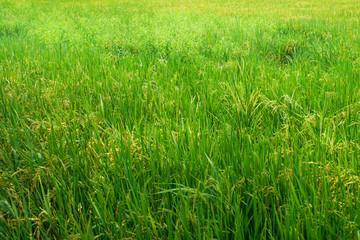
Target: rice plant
[(153, 119)]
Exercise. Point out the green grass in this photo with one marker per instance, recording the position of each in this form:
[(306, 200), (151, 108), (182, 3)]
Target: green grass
[(183, 119)]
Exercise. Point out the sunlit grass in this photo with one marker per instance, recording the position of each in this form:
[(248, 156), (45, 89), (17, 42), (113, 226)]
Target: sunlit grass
[(179, 119)]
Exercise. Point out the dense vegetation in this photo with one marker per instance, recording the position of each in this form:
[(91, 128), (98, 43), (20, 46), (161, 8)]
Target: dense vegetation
[(179, 119)]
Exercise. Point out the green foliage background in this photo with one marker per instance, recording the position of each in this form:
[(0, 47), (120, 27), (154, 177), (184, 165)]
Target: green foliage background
[(183, 119)]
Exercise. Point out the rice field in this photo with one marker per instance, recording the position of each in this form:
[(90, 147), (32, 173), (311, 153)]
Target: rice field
[(154, 119)]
